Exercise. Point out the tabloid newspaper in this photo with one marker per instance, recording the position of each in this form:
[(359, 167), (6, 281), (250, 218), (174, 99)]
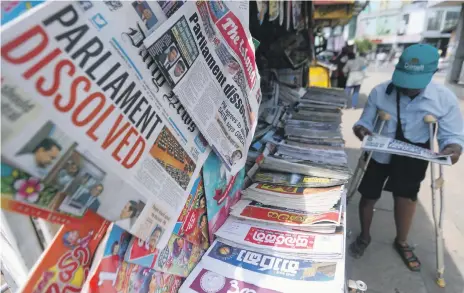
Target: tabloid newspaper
[(280, 239), (382, 144), (227, 265), (207, 56), (88, 113), (256, 211)]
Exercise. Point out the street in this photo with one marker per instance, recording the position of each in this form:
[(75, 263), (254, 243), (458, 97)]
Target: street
[(381, 268)]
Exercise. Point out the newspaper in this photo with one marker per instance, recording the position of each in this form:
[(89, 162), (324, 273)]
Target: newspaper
[(207, 56), (228, 265), (88, 114), (382, 144), (294, 179), (275, 214), (280, 239)]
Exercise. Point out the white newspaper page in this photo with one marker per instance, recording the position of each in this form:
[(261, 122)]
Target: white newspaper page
[(207, 56), (89, 115), (382, 144), (279, 238), (257, 270)]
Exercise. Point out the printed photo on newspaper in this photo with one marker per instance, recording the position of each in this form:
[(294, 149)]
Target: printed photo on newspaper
[(92, 115), (382, 144), (207, 56)]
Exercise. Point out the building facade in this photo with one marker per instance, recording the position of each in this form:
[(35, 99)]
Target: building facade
[(393, 25)]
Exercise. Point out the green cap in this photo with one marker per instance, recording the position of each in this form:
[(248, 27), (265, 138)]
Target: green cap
[(416, 66)]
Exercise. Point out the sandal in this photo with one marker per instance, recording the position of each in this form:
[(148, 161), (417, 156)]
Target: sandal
[(407, 255), (358, 246)]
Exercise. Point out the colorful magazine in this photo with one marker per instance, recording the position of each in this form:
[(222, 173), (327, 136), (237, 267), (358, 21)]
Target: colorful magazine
[(29, 195), (108, 265), (179, 257), (64, 266), (193, 222), (114, 275), (222, 191)]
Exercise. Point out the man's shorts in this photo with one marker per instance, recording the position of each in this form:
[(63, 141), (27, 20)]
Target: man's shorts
[(402, 179)]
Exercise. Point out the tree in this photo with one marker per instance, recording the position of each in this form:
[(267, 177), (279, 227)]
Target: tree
[(364, 45)]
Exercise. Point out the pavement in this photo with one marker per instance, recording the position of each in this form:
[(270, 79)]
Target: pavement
[(381, 268)]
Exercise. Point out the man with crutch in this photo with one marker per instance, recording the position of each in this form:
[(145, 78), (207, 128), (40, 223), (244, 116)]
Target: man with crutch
[(407, 98)]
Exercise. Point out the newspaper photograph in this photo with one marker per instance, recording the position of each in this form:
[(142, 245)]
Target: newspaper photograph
[(91, 116), (279, 238), (382, 144), (207, 57), (260, 271)]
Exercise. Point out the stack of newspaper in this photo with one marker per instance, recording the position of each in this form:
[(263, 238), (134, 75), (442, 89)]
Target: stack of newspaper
[(287, 232)]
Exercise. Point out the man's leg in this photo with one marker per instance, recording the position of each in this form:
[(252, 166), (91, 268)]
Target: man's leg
[(354, 98), (404, 213), (405, 209), (366, 214), (370, 189)]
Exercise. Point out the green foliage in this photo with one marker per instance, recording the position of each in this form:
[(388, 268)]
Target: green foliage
[(364, 45)]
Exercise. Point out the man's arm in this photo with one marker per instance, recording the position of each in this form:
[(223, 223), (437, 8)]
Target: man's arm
[(365, 124), (450, 134)]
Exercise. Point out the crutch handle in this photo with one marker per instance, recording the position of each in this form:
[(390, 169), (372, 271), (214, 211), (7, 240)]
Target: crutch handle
[(430, 119), (384, 116)]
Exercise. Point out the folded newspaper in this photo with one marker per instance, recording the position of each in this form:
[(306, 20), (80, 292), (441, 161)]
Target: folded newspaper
[(207, 56), (88, 115), (389, 145), (294, 179), (229, 267), (281, 239)]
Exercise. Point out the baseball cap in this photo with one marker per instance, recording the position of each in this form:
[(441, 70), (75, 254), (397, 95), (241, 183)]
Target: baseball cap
[(416, 66)]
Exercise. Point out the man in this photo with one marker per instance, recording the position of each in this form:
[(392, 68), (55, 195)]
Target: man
[(89, 199), (168, 58), (39, 161), (128, 215), (407, 98), (179, 69)]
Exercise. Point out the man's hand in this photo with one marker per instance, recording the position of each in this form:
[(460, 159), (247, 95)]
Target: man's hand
[(454, 150), (361, 132)]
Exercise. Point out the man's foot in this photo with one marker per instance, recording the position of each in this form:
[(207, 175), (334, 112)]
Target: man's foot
[(407, 255), (358, 246)]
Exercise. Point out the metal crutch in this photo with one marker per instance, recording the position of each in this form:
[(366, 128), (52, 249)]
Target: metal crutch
[(437, 218), (362, 165)]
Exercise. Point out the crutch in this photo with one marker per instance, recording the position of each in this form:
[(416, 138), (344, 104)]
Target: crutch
[(437, 207), (362, 164)]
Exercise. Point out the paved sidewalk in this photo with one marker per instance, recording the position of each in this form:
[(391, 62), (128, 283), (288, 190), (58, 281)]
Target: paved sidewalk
[(381, 268)]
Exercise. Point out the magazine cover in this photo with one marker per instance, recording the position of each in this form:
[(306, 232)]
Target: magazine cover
[(65, 264), (143, 253), (193, 221), (133, 278), (26, 194), (179, 257), (107, 266), (222, 191)]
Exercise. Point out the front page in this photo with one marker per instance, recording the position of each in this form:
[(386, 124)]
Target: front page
[(382, 144), (254, 269), (207, 56), (280, 238), (92, 118)]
